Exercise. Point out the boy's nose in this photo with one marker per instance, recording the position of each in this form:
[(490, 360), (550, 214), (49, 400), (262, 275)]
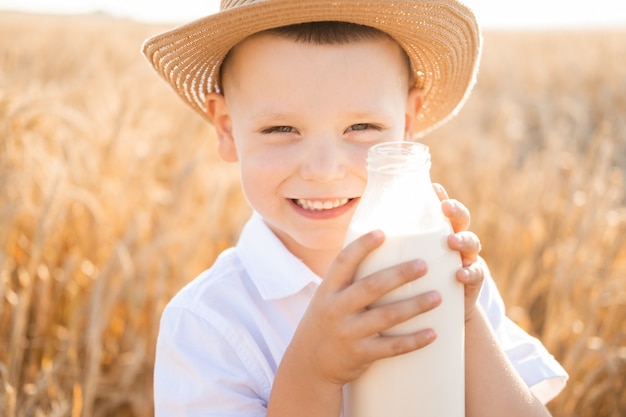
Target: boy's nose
[(323, 161)]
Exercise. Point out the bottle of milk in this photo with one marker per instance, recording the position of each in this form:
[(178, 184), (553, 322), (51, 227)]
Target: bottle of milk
[(399, 199)]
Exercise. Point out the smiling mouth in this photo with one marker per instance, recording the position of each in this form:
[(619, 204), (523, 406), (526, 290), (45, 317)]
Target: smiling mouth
[(319, 205)]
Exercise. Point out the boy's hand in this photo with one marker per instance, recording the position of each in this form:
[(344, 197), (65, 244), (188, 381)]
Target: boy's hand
[(467, 243), (338, 337)]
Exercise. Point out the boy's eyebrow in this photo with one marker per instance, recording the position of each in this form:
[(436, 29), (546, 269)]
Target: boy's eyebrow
[(368, 114), (273, 114)]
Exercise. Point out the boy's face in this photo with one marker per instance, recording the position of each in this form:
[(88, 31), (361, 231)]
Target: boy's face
[(299, 118)]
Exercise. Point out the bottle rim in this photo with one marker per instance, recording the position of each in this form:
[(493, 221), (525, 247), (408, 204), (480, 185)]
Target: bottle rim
[(398, 156)]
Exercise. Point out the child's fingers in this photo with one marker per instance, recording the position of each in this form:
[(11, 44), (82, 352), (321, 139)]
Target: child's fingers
[(344, 267), (388, 346), (471, 276), (457, 213), (380, 318), (468, 244), (365, 291), (440, 191)]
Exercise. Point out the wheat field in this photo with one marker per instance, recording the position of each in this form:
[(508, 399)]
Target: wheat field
[(112, 198)]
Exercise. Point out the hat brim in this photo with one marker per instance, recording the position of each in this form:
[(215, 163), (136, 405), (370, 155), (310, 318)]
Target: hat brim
[(441, 38)]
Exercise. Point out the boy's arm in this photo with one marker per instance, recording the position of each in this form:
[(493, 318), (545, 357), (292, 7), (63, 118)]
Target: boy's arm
[(492, 386), (338, 338), (298, 392)]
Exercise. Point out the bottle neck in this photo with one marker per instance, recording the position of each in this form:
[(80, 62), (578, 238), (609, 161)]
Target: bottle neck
[(397, 158), (399, 197)]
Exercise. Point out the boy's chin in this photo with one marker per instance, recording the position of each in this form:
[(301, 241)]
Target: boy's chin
[(321, 241)]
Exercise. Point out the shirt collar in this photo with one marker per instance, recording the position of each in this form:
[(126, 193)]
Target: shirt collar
[(275, 272)]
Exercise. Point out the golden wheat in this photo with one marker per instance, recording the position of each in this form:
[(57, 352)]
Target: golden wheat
[(112, 198)]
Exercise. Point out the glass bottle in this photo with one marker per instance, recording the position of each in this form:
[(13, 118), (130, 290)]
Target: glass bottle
[(399, 200)]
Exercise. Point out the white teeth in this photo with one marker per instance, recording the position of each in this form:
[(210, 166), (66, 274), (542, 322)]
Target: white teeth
[(321, 205)]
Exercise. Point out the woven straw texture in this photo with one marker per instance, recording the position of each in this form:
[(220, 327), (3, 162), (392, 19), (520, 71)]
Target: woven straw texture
[(441, 37)]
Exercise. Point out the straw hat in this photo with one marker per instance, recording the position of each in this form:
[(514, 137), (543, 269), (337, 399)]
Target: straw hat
[(441, 37)]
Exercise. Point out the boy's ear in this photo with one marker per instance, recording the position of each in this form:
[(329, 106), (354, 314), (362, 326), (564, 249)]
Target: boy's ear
[(217, 110), (413, 108)]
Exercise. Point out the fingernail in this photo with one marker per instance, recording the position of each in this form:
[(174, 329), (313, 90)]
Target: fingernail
[(449, 207), (466, 274), (378, 234), (430, 335), (419, 264), (434, 297)]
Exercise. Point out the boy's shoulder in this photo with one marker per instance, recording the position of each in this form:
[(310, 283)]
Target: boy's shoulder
[(217, 289)]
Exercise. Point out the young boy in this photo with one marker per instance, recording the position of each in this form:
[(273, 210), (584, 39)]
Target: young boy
[(297, 92)]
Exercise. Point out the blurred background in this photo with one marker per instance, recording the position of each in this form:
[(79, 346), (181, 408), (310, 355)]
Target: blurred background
[(112, 196), (491, 13)]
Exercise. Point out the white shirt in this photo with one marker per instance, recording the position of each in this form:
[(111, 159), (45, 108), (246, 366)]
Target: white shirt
[(223, 335)]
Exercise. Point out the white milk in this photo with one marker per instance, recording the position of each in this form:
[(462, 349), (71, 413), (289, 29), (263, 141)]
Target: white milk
[(429, 382)]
